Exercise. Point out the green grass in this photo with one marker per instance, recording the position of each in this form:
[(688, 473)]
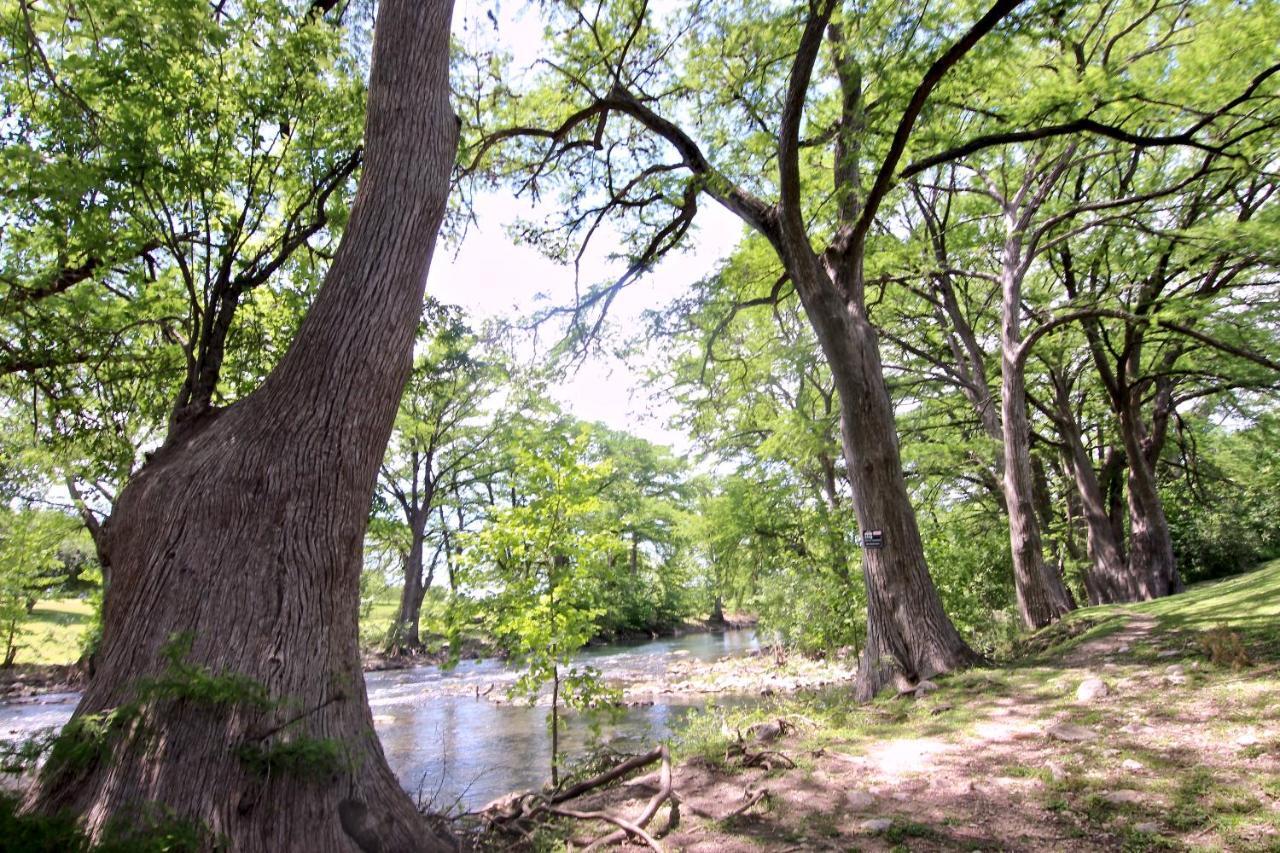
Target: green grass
[(54, 632)]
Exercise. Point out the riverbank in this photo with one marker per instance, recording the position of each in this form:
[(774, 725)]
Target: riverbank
[(439, 653), (1145, 727)]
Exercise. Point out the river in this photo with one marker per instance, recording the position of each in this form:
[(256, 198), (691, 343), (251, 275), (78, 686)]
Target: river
[(455, 750)]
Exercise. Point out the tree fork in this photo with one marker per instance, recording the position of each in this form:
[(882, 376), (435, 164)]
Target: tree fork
[(246, 532)]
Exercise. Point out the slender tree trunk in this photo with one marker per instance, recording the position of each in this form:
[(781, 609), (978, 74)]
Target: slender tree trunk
[(909, 636), (404, 633), (1107, 579), (403, 636), (717, 611), (244, 532), (1151, 560), (1042, 597)]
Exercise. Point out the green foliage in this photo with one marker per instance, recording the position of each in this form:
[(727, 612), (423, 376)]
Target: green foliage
[(88, 740), (139, 830), (1222, 512), (34, 545), (304, 758), (185, 681)]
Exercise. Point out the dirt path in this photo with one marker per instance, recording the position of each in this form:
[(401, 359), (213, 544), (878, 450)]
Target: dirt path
[(1119, 742)]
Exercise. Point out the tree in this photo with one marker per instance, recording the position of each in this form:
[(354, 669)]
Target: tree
[(236, 549), (609, 132), (538, 568), (438, 451), (170, 205)]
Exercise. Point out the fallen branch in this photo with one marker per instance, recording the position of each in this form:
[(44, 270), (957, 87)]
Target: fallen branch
[(626, 827), (754, 798), (608, 776), (663, 795)]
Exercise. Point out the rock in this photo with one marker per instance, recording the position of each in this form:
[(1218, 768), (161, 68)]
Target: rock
[(925, 687), (1148, 827), (1168, 653), (1247, 739), (877, 825), (1131, 765), (1056, 771), (1122, 798), (1175, 680), (1070, 734), (859, 800), (1122, 649), (1175, 669), (766, 732), (1090, 689)]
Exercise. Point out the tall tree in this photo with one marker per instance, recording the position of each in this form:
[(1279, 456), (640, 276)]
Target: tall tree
[(236, 549), (611, 134)]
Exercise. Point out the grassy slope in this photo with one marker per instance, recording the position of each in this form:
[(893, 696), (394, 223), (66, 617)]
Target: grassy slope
[(54, 632), (1186, 758)]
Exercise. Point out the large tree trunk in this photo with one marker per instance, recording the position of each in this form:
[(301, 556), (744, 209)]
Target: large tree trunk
[(244, 534), (909, 635), (1042, 596)]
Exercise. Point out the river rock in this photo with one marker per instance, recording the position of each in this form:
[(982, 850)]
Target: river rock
[(859, 800), (1068, 733), (1090, 689), (877, 825)]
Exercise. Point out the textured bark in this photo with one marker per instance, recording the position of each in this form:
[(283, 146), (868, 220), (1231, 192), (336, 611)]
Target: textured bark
[(245, 531), (1151, 559), (1107, 579), (1042, 596), (404, 635), (909, 635)]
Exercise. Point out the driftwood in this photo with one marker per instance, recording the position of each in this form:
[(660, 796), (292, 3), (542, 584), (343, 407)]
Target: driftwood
[(515, 812), (664, 794)]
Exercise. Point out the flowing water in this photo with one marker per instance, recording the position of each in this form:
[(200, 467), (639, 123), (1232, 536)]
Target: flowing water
[(453, 749)]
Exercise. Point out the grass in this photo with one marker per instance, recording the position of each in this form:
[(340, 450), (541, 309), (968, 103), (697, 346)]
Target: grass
[(54, 632), (1248, 604), (1196, 786)]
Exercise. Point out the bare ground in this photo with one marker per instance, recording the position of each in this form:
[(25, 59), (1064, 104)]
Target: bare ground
[(1179, 754)]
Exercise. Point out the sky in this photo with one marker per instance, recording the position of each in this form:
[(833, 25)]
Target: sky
[(490, 276)]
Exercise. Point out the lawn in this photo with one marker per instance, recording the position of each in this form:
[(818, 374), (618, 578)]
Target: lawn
[(54, 632)]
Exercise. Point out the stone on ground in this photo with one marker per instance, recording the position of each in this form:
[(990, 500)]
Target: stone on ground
[(1090, 689)]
